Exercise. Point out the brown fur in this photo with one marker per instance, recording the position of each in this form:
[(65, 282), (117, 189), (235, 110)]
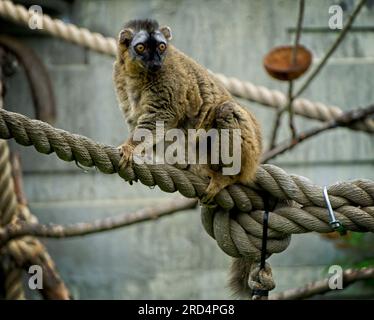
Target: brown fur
[(185, 95), (239, 276)]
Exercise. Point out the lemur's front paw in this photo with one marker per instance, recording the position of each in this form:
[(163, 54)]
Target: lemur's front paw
[(209, 194), (208, 201), (126, 153)]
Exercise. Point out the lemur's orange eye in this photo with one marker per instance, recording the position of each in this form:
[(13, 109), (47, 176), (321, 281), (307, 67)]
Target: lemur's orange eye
[(139, 48), (162, 46)]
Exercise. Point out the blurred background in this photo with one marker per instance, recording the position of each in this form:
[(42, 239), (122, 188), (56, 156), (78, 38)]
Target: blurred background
[(173, 257)]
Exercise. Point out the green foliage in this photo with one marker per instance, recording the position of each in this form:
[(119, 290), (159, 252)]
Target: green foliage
[(361, 247), (356, 239)]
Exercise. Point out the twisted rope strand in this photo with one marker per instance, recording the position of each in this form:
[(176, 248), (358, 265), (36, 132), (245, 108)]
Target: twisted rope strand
[(10, 211), (73, 147), (278, 100), (13, 283), (8, 199), (353, 200), (60, 29), (240, 234)]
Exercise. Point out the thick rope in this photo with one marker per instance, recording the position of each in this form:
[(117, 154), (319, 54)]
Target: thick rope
[(236, 232), (60, 29), (239, 234), (13, 285), (274, 180), (30, 251), (23, 248), (260, 279), (8, 211), (8, 199), (246, 90), (277, 99)]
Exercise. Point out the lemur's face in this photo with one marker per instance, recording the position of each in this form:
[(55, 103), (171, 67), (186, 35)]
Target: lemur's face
[(147, 48), (150, 49)]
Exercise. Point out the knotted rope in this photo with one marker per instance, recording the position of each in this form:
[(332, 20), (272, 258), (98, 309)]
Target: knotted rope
[(241, 89), (236, 232), (260, 280), (301, 206)]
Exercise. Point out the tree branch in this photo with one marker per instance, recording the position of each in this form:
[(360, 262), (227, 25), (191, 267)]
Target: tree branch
[(20, 229), (322, 286), (294, 60), (344, 120), (289, 106), (276, 126), (333, 47)]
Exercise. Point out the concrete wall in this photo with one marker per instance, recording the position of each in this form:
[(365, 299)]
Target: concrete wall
[(174, 257)]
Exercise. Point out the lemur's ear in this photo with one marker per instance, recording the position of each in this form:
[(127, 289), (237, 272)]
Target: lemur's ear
[(125, 36), (166, 31)]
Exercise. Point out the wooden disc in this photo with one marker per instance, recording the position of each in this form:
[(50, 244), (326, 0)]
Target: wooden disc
[(278, 62)]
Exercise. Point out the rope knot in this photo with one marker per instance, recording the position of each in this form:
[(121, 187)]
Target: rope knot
[(260, 280)]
